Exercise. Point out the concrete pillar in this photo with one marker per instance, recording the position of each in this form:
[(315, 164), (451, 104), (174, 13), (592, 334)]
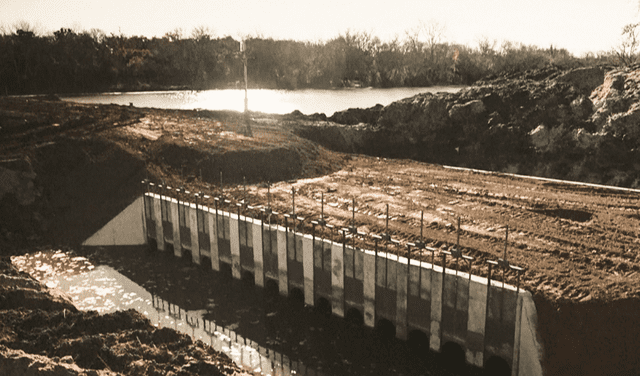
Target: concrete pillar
[(476, 322), (299, 253), (291, 244), (392, 274), (175, 222), (381, 271), (195, 240), (402, 285), (517, 334), (307, 265), (348, 261), (436, 309), (414, 280), (213, 241), (157, 217), (359, 264), (326, 254), (337, 279), (258, 269), (527, 361), (501, 321), (283, 276), (425, 283), (369, 289), (234, 238), (455, 306)]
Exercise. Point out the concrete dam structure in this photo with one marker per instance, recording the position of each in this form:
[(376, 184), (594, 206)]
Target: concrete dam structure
[(487, 322)]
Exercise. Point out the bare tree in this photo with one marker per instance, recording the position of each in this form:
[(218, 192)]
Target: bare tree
[(486, 46), (429, 34), (97, 35), (202, 33), (174, 35), (626, 51), (26, 27)]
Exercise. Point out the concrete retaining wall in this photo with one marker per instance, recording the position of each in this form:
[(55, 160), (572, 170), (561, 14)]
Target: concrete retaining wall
[(485, 320)]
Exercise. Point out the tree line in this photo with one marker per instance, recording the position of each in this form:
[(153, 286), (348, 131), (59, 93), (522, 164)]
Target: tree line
[(92, 61)]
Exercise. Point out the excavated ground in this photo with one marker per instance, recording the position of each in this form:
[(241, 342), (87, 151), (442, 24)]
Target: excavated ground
[(42, 332), (578, 243)]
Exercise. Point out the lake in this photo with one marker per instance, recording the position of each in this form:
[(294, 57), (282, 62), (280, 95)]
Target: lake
[(269, 101)]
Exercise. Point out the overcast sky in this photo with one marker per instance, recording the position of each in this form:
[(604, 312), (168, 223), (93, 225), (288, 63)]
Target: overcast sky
[(577, 25)]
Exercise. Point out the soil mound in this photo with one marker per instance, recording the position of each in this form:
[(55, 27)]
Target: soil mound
[(579, 124), (66, 169)]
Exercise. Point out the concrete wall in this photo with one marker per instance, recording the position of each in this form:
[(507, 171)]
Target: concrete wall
[(484, 319), (127, 228)]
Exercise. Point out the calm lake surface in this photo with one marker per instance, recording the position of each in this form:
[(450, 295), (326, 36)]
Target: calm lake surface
[(269, 101)]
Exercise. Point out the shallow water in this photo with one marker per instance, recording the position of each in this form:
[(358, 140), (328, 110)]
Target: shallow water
[(103, 289), (262, 332)]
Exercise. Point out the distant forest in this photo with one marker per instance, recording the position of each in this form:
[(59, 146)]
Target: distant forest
[(79, 62)]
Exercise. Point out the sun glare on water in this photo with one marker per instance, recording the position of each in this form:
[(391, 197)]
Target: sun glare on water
[(269, 101)]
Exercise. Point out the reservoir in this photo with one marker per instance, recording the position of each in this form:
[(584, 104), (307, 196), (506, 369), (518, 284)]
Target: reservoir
[(262, 100)]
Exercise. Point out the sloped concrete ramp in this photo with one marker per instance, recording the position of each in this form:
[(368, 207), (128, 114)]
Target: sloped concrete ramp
[(127, 228)]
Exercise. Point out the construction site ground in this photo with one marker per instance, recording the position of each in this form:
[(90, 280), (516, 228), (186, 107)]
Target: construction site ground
[(577, 243)]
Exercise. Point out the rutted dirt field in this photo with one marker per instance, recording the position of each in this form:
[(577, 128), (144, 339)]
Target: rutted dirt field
[(577, 242), (67, 169)]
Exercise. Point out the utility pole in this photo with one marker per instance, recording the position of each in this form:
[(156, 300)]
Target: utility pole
[(248, 132)]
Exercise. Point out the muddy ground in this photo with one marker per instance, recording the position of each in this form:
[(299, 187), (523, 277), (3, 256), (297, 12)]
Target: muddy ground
[(41, 333), (73, 167)]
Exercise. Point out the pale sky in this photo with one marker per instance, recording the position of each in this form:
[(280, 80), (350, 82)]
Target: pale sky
[(577, 25)]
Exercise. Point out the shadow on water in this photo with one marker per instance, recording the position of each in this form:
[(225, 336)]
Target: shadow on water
[(259, 329)]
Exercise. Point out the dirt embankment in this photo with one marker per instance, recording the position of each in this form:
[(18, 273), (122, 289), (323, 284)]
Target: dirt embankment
[(70, 168), (66, 169), (580, 125), (42, 332)]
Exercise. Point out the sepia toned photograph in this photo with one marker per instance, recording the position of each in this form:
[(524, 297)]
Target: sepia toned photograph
[(280, 188)]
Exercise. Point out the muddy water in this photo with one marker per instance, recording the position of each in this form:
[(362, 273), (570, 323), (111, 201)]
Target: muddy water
[(261, 331)]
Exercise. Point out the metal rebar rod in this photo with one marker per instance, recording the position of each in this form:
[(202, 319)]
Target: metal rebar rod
[(506, 237), (269, 195), (353, 212), (458, 233), (387, 223), (421, 225)]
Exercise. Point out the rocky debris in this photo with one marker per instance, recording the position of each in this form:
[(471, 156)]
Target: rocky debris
[(584, 79), (579, 125), (468, 111), (16, 178), (354, 116), (20, 363), (45, 334)]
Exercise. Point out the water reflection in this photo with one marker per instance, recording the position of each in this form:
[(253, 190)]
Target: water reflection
[(257, 328), (262, 100), (104, 289), (244, 352)]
